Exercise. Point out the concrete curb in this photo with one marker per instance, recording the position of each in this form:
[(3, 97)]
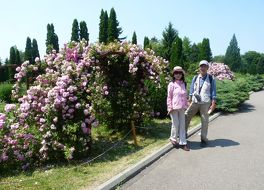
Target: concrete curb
[(145, 162)]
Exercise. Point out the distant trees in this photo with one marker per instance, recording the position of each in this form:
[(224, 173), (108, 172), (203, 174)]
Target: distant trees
[(84, 31), (176, 58), (109, 29), (168, 37), (75, 31), (134, 38), (52, 41), (232, 55), (31, 50), (79, 33), (205, 52)]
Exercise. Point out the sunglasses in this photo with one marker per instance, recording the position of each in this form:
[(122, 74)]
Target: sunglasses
[(177, 73)]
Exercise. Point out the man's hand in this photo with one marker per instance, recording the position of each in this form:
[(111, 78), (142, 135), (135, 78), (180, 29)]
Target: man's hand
[(189, 100), (213, 106)]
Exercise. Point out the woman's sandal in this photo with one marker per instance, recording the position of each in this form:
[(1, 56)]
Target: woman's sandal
[(174, 143)]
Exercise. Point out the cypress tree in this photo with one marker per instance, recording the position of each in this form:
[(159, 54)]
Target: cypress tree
[(49, 39), (103, 27), (134, 38), (232, 55), (84, 31), (52, 41), (205, 50), (260, 65), (55, 42), (176, 58), (35, 51), (12, 60), (18, 57), (169, 35), (28, 51), (75, 31), (12, 57), (186, 49), (146, 42), (113, 27), (194, 57)]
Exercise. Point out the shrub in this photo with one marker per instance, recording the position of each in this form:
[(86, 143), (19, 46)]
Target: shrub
[(81, 85), (5, 92)]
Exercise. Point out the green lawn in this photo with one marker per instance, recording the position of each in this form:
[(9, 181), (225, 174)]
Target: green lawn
[(2, 106), (79, 176)]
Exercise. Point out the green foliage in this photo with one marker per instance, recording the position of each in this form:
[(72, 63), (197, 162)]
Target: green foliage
[(219, 58), (12, 61), (260, 65), (12, 57), (232, 55), (5, 92), (169, 35), (75, 31), (156, 45), (194, 56), (205, 50), (186, 51), (146, 42), (252, 63), (113, 27), (35, 51), (134, 38), (103, 27), (18, 57), (52, 41), (158, 96), (193, 68), (4, 73), (230, 94), (28, 51), (176, 58), (84, 31)]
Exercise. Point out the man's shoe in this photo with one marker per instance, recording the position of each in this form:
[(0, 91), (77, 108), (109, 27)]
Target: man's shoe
[(203, 143), (185, 147)]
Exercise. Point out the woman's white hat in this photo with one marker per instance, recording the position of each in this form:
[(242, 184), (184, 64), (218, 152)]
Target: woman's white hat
[(178, 68)]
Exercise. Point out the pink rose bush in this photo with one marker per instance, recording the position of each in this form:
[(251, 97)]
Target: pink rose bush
[(76, 89), (220, 71), (124, 70)]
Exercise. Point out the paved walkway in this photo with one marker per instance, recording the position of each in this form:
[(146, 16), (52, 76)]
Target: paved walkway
[(234, 158)]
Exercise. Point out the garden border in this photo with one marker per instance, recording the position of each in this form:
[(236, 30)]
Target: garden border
[(145, 162)]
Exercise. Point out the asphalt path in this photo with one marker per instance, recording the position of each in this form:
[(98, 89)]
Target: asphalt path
[(233, 159)]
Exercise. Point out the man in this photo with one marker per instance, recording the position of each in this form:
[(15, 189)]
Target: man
[(202, 98)]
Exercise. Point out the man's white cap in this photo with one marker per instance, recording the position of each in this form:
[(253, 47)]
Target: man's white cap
[(203, 62)]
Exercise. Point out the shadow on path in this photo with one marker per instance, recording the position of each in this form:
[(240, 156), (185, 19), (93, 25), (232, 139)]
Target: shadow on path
[(194, 145), (246, 107)]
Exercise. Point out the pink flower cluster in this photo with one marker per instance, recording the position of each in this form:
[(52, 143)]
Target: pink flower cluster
[(146, 59), (220, 71), (2, 120)]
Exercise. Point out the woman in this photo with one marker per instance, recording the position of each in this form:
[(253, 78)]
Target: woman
[(176, 105)]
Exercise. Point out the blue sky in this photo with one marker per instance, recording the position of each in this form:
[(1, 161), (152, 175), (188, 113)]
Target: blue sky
[(217, 20)]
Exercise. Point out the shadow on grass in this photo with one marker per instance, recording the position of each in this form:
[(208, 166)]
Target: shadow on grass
[(194, 145)]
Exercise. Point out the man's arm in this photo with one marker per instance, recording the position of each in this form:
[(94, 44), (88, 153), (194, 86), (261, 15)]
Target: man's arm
[(191, 89)]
